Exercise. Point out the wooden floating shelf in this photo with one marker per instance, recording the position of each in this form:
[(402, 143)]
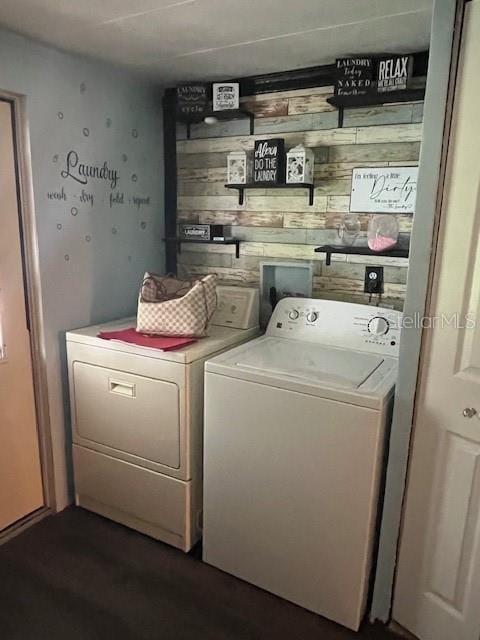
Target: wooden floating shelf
[(381, 98), (357, 102), (258, 185), (232, 241), (398, 252), (227, 114)]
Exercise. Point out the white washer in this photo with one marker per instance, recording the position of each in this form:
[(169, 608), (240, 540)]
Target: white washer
[(137, 423), (295, 423)]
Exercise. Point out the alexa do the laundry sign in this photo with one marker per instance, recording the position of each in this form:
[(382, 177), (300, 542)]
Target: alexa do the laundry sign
[(269, 161)]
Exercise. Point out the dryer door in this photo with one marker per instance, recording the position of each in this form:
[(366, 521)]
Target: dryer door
[(129, 413)]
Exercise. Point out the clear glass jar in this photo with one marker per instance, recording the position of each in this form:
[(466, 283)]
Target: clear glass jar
[(349, 229)]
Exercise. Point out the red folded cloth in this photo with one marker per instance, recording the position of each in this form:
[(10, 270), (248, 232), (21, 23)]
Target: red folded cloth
[(164, 343)]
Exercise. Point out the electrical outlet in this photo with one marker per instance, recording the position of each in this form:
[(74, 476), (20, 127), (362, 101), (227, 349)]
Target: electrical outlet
[(373, 280)]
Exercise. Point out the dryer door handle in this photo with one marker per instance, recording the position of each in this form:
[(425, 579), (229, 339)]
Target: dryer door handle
[(122, 388)]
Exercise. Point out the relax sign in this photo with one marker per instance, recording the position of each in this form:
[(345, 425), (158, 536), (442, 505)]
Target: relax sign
[(394, 73)]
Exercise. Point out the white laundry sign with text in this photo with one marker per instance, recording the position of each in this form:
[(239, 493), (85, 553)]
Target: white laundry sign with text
[(384, 190)]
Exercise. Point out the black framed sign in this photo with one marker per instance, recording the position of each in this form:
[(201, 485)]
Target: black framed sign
[(269, 161), (192, 101), (205, 232), (394, 73), (353, 76)]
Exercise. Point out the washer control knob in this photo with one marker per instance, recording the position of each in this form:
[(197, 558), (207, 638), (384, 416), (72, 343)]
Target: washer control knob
[(293, 314), (378, 326), (312, 316)]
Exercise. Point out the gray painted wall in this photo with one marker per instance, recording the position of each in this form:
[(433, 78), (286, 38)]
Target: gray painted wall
[(92, 253)]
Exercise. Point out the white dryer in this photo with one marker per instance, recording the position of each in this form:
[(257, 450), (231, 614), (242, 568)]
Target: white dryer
[(137, 422), (295, 424)]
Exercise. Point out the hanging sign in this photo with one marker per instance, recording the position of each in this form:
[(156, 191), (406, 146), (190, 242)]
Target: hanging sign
[(192, 101), (205, 232), (353, 76), (394, 73), (269, 161), (384, 190), (226, 95)]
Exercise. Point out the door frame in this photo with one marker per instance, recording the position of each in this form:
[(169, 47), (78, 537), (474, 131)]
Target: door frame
[(33, 293), (446, 31)]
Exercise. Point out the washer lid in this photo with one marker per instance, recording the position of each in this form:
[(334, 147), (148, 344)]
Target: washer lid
[(309, 362)]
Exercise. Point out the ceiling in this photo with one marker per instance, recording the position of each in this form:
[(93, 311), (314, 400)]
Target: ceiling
[(174, 40)]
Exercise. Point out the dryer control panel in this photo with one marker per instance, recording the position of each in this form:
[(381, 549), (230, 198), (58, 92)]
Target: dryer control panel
[(337, 324)]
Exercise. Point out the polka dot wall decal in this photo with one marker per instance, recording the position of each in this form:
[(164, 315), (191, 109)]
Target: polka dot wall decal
[(86, 132), (114, 230), (60, 115), (108, 122), (129, 258), (143, 225), (74, 211), (83, 87), (59, 226), (134, 177), (124, 157), (55, 158), (88, 238), (134, 133), (67, 257)]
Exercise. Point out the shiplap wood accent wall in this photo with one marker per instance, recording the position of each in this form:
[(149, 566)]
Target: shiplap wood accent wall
[(279, 224)]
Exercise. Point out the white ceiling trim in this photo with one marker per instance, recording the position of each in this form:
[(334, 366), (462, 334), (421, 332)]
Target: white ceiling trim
[(173, 40), (130, 16), (294, 34)]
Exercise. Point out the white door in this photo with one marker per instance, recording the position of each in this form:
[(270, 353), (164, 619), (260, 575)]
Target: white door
[(437, 593), (20, 474)]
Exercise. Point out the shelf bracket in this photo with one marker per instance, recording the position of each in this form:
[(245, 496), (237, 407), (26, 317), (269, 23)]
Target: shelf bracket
[(328, 258), (241, 195), (311, 192), (188, 130), (251, 117), (237, 250), (340, 117)]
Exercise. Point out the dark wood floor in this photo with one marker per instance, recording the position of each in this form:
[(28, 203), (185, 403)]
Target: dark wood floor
[(76, 576)]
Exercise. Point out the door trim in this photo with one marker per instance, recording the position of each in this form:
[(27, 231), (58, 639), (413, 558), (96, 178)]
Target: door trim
[(24, 523), (452, 83), (434, 273), (443, 61), (33, 292)]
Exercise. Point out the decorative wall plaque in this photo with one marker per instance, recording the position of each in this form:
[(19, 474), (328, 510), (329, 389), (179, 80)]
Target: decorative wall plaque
[(353, 76), (269, 161), (192, 101)]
